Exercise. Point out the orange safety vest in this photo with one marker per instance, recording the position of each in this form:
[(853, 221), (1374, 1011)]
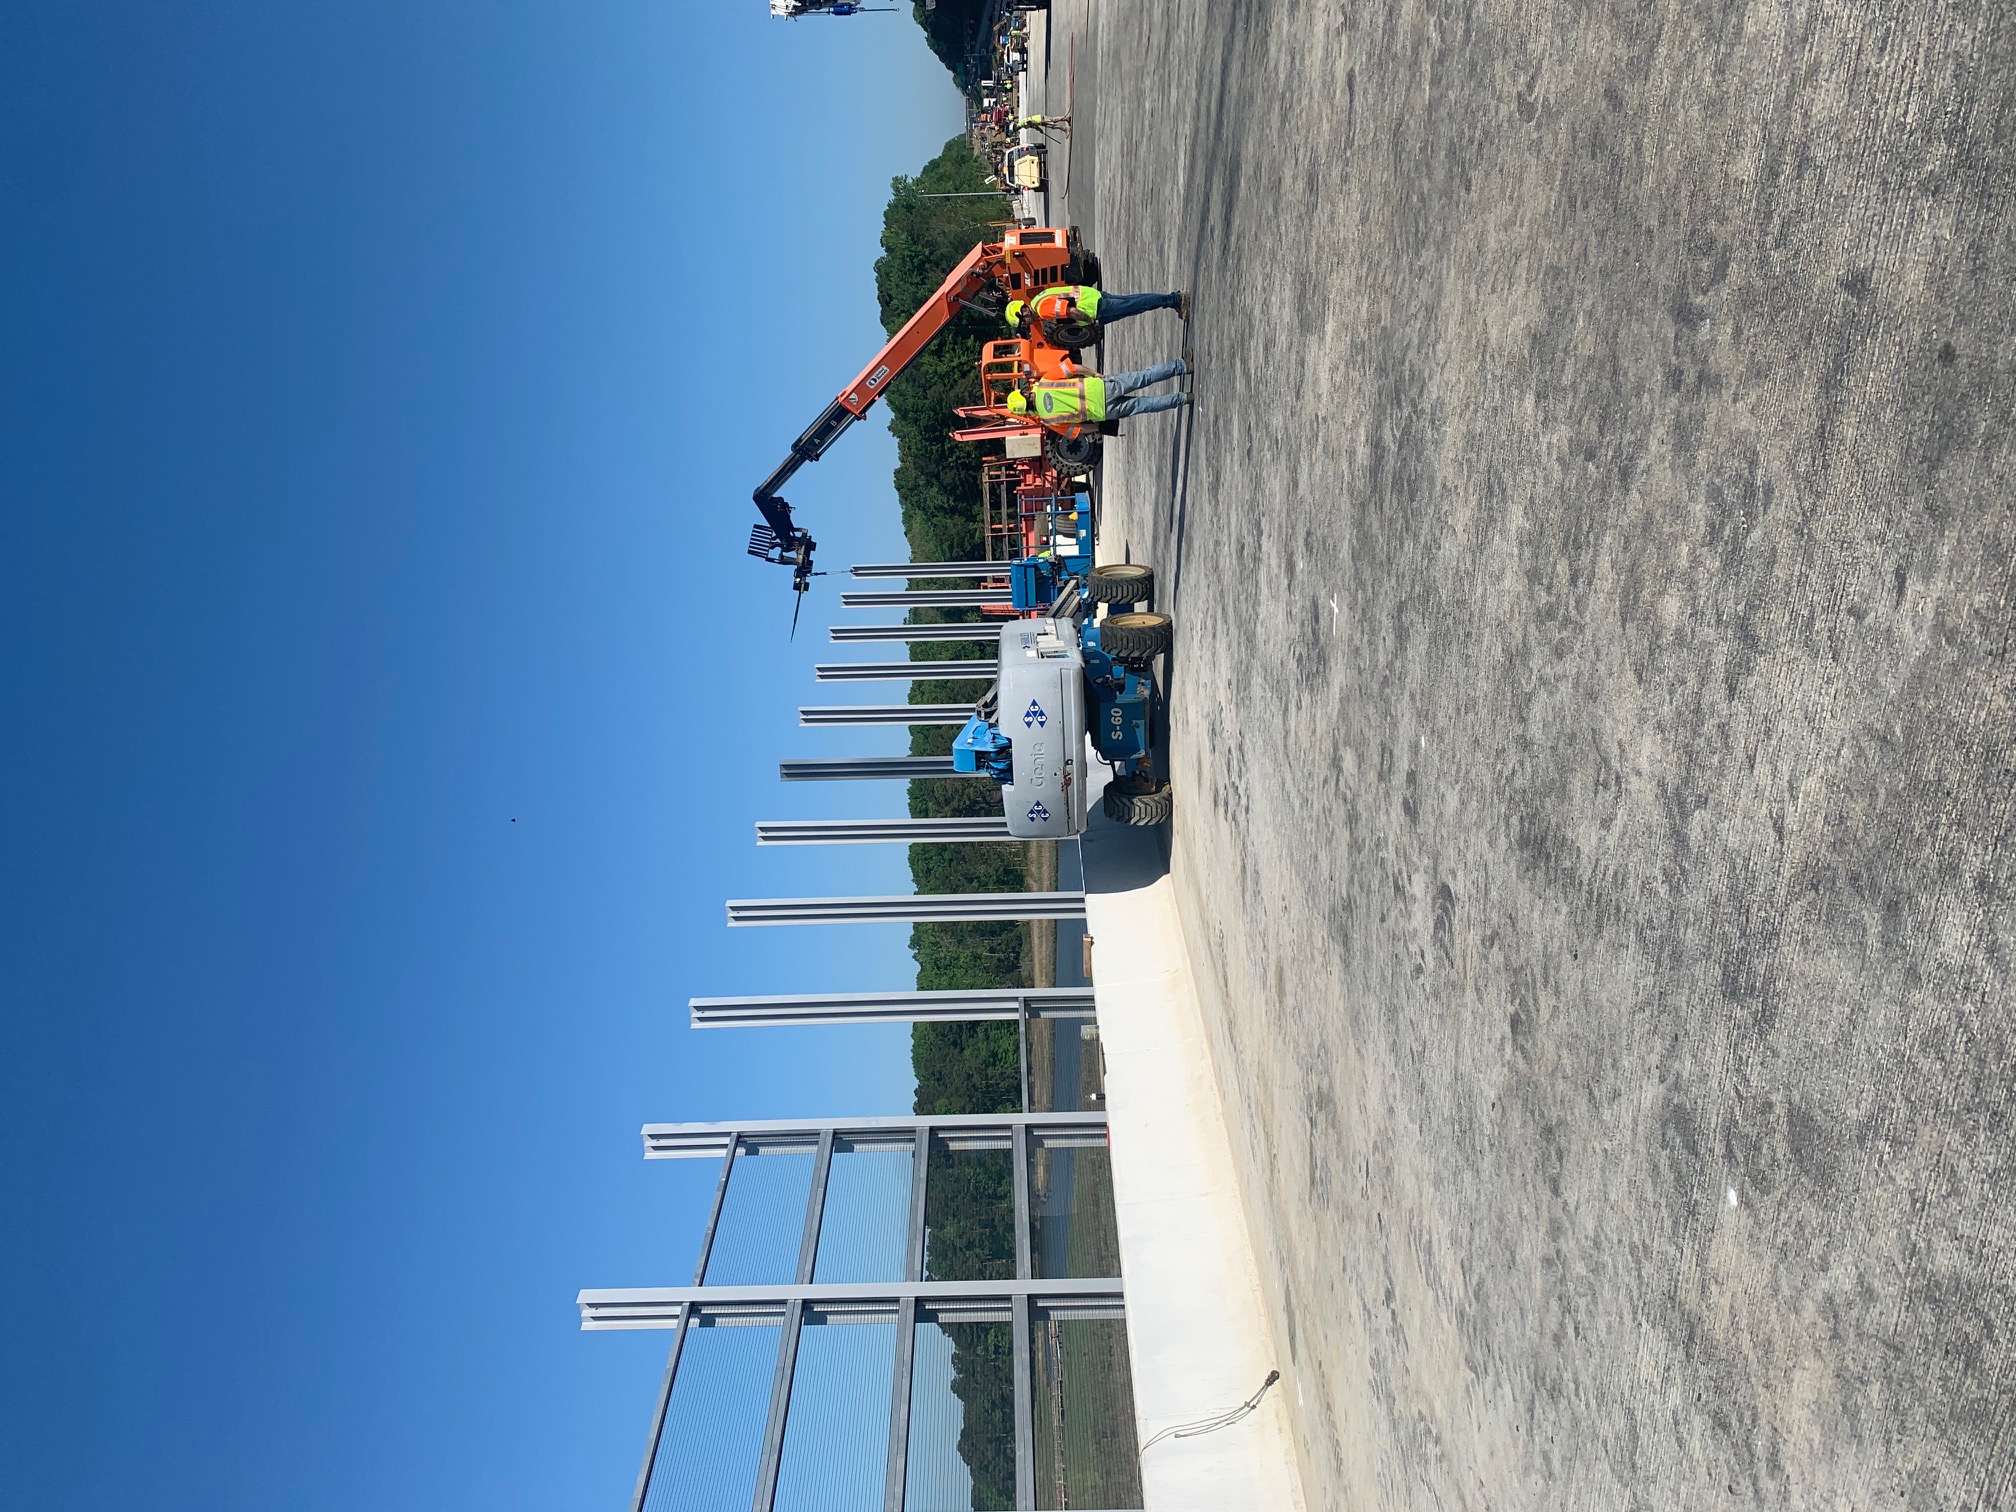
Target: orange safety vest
[(1064, 300)]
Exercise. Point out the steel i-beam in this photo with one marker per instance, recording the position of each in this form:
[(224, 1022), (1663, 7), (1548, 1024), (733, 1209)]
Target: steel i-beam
[(927, 598), (929, 569), (881, 831), (905, 671), (832, 716), (866, 768), (915, 908), (988, 1005), (967, 631)]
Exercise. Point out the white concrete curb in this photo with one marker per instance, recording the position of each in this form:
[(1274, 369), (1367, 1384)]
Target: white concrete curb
[(1198, 1337)]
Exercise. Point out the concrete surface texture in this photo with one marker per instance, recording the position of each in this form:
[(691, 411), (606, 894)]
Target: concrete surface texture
[(1197, 1337), (1592, 561)]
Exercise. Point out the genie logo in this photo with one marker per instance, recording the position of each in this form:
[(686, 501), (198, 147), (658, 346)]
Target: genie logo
[(1033, 716), (1038, 813)]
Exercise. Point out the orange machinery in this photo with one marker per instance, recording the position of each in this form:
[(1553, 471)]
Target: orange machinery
[(1023, 261)]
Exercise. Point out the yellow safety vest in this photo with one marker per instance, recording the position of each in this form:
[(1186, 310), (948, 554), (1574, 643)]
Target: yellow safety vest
[(1069, 401), (1083, 296)]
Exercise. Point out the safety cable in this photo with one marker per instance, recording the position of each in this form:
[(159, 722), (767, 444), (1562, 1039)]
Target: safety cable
[(1213, 1424)]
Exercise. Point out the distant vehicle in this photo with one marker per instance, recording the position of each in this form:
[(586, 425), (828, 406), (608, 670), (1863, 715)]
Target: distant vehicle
[(1023, 168)]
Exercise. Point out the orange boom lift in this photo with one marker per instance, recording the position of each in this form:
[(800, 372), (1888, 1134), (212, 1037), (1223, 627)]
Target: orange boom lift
[(1022, 262)]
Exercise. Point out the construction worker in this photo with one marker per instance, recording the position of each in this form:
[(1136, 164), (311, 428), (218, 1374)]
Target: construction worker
[(1085, 304), (1066, 403), (1045, 123)]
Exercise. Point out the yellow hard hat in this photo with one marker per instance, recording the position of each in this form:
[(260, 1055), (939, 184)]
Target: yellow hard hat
[(1018, 403), (1014, 311)]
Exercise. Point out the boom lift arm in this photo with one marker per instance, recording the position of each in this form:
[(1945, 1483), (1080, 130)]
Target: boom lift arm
[(1028, 260)]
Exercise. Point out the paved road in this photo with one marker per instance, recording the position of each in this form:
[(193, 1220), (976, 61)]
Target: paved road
[(1592, 554)]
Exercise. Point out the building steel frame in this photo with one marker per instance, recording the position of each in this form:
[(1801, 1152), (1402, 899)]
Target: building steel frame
[(976, 1005), (865, 768), (906, 908), (1022, 1302)]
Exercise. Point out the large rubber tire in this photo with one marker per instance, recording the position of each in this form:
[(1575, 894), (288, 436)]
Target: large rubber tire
[(1131, 800), (1072, 335), (1121, 583), (1072, 456), (1135, 639)]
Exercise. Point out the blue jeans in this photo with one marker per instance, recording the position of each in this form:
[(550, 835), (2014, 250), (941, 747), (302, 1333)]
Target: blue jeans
[(1120, 385), (1114, 307)]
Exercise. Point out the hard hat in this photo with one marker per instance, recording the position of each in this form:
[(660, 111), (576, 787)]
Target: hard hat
[(1018, 403), (1014, 311)]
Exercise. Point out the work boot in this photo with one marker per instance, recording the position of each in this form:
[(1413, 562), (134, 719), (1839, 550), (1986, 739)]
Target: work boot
[(1183, 308)]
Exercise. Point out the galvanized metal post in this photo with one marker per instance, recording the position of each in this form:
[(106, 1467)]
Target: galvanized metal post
[(1025, 1390), (906, 671), (1022, 1043), (913, 1244), (1025, 1408), (966, 630), (714, 1213), (925, 598), (897, 1472), (866, 769), (815, 1207), (915, 908), (780, 1406), (955, 1006), (651, 1441), (915, 570), (978, 829), (848, 716)]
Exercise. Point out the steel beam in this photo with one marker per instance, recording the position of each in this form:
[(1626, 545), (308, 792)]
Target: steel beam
[(1020, 1335), (643, 1487), (896, 1471), (881, 831), (609, 1310), (780, 1406), (994, 1004), (950, 670), (967, 631), (953, 1131), (886, 714), (929, 569), (866, 769), (929, 598), (915, 908)]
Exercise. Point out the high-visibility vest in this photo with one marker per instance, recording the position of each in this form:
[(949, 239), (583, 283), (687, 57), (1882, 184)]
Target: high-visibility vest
[(1069, 401), (1055, 303)]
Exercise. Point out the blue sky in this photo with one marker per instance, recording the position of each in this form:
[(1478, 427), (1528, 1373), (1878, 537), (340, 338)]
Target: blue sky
[(385, 384)]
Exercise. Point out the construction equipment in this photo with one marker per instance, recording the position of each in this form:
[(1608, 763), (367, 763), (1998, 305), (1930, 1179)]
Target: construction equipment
[(1062, 679), (1023, 261)]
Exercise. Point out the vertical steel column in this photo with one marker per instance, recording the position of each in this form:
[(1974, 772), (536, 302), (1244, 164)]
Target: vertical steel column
[(815, 1208), (913, 1255), (658, 1414), (1025, 1410), (679, 1332), (898, 1473), (1022, 1045), (1025, 1387), (780, 1402), (714, 1213), (794, 1323)]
